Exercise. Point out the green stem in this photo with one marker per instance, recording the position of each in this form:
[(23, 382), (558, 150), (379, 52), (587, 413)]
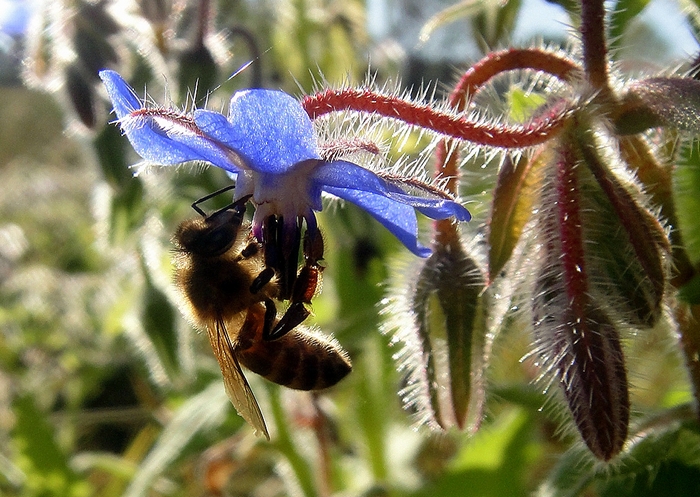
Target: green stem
[(372, 411), (285, 444)]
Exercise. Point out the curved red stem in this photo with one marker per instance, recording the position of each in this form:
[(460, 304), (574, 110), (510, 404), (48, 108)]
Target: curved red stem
[(510, 60), (426, 116)]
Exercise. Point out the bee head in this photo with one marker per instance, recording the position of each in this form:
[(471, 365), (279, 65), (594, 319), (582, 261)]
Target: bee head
[(211, 236)]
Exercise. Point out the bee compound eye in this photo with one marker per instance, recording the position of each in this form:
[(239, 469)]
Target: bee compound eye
[(218, 240), (220, 232)]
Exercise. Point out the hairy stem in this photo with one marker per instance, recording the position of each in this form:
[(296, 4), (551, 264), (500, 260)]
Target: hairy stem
[(426, 116), (595, 49), (446, 154), (510, 60)]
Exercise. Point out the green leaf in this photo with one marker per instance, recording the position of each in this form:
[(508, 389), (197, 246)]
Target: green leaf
[(668, 443), (621, 15), (513, 199), (522, 104), (40, 458), (460, 10), (111, 149), (686, 185), (493, 24), (690, 292), (450, 308), (493, 463), (159, 323), (641, 279), (198, 73), (691, 9), (204, 411)]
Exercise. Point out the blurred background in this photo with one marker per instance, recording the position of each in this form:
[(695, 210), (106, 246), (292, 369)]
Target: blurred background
[(106, 390)]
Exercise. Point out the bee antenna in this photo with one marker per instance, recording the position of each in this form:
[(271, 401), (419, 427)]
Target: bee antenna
[(195, 204), (238, 206)]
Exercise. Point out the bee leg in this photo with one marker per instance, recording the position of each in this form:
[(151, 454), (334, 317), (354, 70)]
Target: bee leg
[(269, 320), (304, 289), (261, 280), (250, 250), (295, 314), (238, 205)]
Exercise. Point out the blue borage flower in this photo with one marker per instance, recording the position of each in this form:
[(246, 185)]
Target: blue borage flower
[(268, 142)]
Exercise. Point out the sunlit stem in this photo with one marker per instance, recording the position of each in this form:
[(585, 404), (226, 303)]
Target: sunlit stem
[(371, 412), (323, 436), (203, 21), (595, 48), (511, 59), (428, 117)]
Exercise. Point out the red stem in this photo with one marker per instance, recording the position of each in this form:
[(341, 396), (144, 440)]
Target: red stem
[(203, 22), (572, 253), (469, 84), (425, 116), (595, 49), (510, 60), (476, 76)]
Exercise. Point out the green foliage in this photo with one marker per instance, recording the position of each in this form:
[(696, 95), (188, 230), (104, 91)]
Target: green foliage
[(107, 390), (44, 465)]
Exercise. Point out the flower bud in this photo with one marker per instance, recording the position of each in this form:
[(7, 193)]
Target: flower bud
[(445, 342), (81, 94), (581, 269), (92, 27), (197, 71)]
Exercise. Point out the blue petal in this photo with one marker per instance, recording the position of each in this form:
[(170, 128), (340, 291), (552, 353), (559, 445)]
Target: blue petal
[(161, 137), (434, 208), (399, 219), (351, 176), (268, 128)]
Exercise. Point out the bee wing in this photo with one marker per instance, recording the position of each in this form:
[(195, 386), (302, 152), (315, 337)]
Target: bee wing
[(237, 387)]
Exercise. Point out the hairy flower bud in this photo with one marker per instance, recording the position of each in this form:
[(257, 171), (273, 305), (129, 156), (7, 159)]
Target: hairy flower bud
[(441, 323), (81, 94), (578, 276)]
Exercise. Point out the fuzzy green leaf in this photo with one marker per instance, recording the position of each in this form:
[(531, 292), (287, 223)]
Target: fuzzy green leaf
[(630, 241), (201, 412), (521, 104), (624, 12), (158, 317), (450, 14), (512, 204), (43, 462), (663, 447), (686, 185)]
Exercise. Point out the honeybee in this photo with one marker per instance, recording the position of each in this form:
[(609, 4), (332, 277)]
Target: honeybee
[(228, 290)]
